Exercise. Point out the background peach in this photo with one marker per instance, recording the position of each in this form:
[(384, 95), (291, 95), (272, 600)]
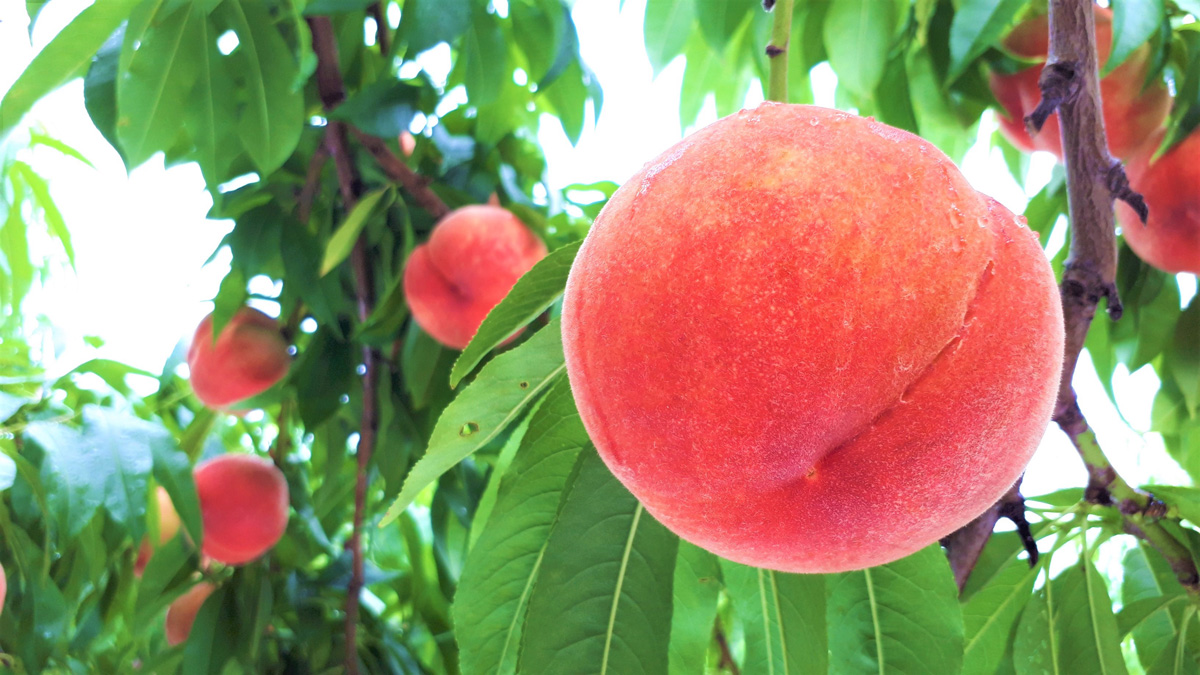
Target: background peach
[(472, 259), (244, 504), (247, 358), (1170, 238)]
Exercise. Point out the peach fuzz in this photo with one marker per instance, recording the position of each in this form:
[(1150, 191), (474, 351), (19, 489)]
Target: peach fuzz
[(1170, 238), (182, 613), (168, 527), (1132, 111), (804, 342), (247, 359), (470, 262), (244, 505)]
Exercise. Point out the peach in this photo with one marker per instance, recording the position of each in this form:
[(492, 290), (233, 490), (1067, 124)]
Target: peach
[(244, 506), (247, 359), (1170, 238), (168, 527), (3, 587), (408, 143), (182, 613), (804, 342), (472, 259), (1132, 111)]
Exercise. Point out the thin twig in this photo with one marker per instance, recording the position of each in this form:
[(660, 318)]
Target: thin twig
[(383, 36), (397, 170), (964, 545), (331, 88), (726, 660), (781, 31)]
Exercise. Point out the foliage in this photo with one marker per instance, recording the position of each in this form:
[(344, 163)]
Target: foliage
[(506, 545)]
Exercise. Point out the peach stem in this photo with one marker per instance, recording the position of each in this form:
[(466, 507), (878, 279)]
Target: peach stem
[(781, 30)]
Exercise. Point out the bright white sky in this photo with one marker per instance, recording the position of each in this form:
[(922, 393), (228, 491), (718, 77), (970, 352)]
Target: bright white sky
[(142, 239)]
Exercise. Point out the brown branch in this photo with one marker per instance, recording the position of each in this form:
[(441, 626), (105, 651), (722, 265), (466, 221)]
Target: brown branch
[(383, 37), (964, 545), (332, 91), (1070, 85), (397, 170), (1094, 180), (726, 660)]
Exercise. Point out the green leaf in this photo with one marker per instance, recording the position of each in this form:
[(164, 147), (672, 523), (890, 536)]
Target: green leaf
[(383, 108), (720, 19), (858, 35), (1185, 109), (425, 23), (489, 606), (322, 374), (8, 472), (1042, 212), (164, 578), (1137, 614), (1134, 23), (533, 294), (104, 463), (696, 590), (1176, 658), (100, 88), (1069, 626), (212, 638), (977, 25), (1183, 357), (992, 612), (666, 27), (172, 469), (37, 138), (1147, 578), (601, 602), (211, 116), (153, 89), (899, 617), (342, 242), (272, 116), (544, 32), (1061, 498), (63, 58), (935, 111), (41, 197), (783, 618), (483, 60), (484, 409)]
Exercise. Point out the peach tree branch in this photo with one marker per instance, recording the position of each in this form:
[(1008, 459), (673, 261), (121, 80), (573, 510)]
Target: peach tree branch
[(1070, 84), (331, 88)]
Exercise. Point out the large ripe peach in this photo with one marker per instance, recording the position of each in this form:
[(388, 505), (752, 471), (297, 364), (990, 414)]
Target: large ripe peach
[(804, 342), (471, 261), (249, 356), (168, 527), (1132, 109), (1170, 239), (244, 505), (182, 613)]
